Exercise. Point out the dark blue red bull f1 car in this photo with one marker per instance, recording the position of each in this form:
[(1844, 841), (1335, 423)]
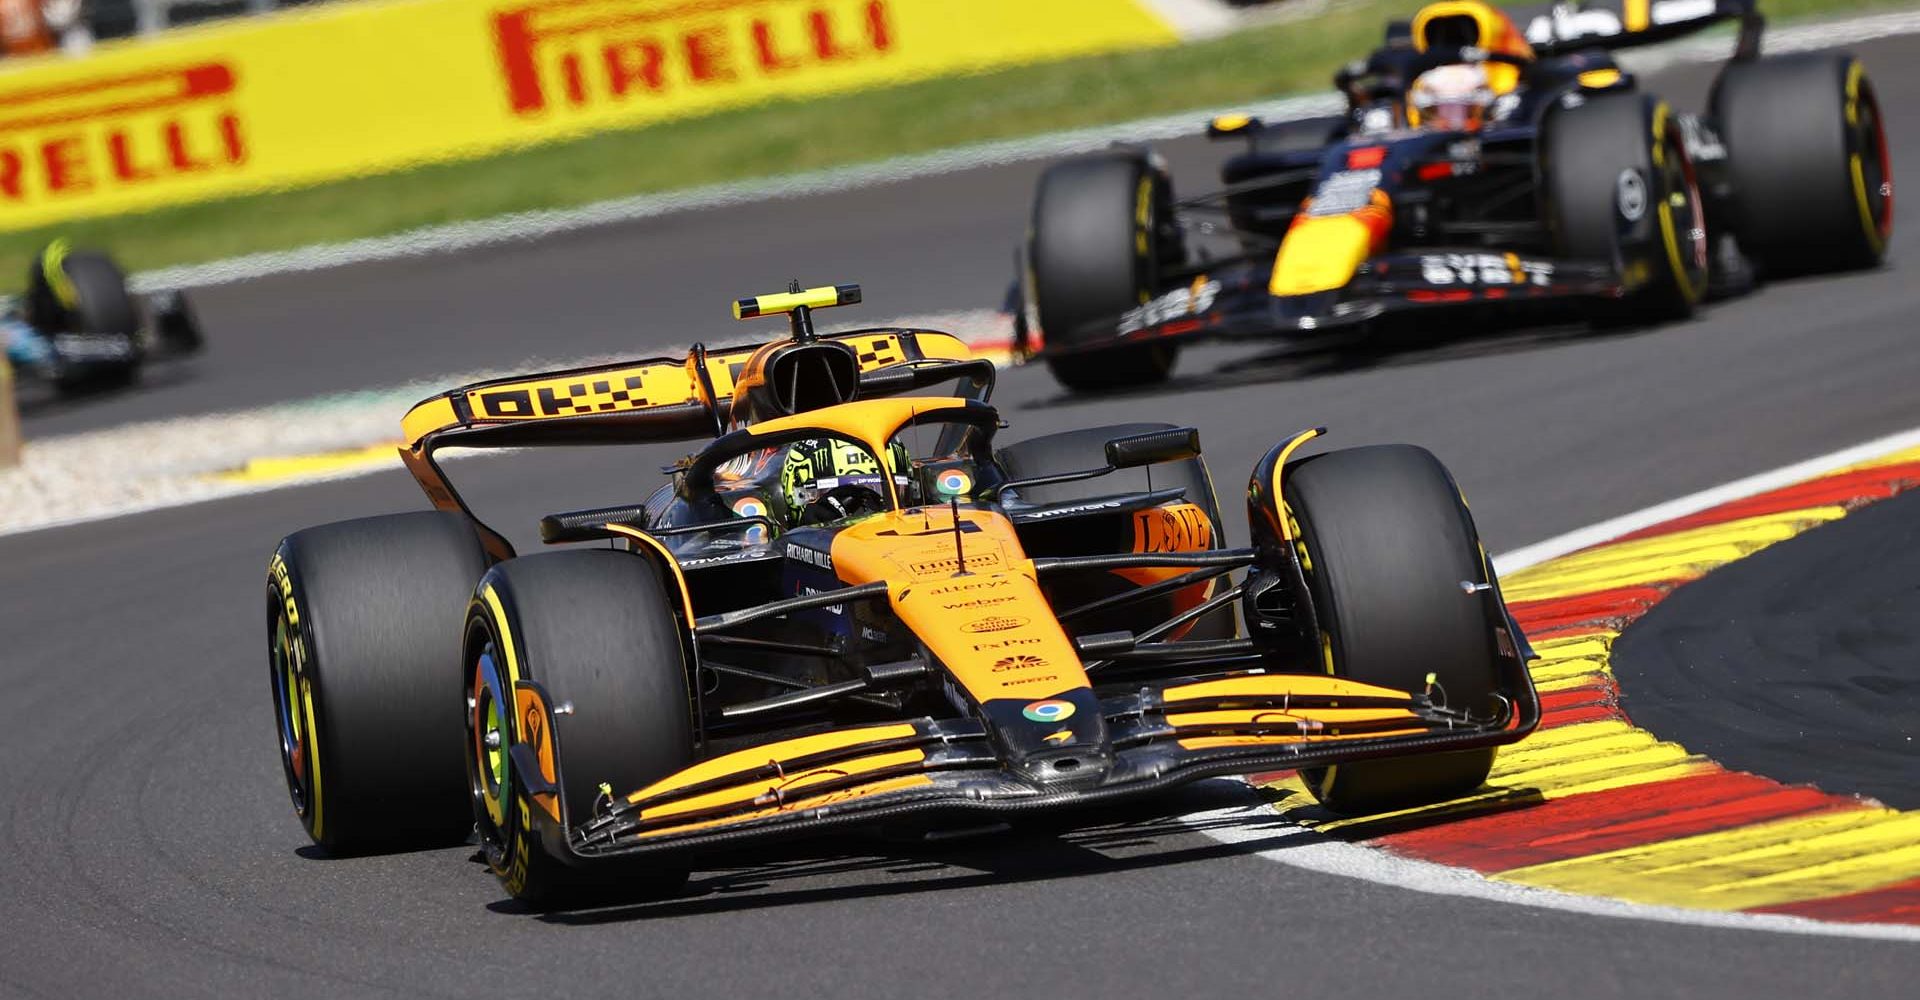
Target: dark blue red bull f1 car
[(1484, 162)]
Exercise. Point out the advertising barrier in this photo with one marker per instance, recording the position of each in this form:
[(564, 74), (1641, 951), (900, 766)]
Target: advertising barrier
[(369, 87), (9, 417)]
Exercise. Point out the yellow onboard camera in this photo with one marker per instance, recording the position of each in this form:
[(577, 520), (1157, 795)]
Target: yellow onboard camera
[(798, 304)]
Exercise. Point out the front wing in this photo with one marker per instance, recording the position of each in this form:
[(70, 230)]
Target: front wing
[(1155, 738), (1233, 301)]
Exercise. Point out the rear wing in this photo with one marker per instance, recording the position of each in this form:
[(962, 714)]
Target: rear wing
[(1553, 29), (636, 402), (631, 402)]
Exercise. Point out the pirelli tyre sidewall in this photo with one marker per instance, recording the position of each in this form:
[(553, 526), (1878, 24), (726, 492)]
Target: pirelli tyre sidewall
[(1807, 156), (596, 629), (363, 622), (1100, 237), (1620, 186), (1386, 543)]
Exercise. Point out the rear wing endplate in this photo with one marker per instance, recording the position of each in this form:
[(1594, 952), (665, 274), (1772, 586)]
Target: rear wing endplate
[(1558, 28)]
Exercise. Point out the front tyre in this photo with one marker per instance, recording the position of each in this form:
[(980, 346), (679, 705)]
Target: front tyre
[(596, 628), (363, 629), (1101, 236), (1807, 156), (1386, 543), (90, 298), (1620, 187)]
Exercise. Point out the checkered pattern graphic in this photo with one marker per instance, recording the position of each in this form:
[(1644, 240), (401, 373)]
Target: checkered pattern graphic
[(597, 396), (658, 384), (612, 394), (878, 352)]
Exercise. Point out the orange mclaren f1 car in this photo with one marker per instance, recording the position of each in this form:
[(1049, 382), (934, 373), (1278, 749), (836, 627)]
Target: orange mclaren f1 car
[(854, 605)]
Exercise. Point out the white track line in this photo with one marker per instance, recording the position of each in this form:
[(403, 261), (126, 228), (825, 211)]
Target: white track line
[(525, 226), (1370, 864), (1693, 503)]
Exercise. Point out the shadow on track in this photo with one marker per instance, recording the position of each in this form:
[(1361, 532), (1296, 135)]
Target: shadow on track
[(41, 399), (1400, 347)]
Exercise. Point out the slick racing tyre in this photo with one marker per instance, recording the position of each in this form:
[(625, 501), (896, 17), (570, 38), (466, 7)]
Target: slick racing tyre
[(1101, 235), (1620, 187), (1387, 542), (1807, 155), (1073, 451), (83, 292), (597, 630), (363, 630)]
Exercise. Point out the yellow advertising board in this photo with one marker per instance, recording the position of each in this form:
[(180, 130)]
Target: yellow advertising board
[(369, 87)]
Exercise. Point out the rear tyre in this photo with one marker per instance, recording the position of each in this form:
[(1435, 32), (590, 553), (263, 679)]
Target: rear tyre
[(1387, 541), (363, 629), (1807, 155), (1620, 187), (1100, 238), (1072, 451), (103, 307), (595, 628)]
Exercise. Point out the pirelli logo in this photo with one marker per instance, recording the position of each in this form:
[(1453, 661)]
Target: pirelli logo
[(592, 54), (126, 131)]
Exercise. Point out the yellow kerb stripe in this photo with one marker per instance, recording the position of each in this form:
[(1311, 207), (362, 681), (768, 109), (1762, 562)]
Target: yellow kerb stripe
[(1681, 555), (1765, 864)]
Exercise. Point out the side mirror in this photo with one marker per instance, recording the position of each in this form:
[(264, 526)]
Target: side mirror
[(1171, 445)]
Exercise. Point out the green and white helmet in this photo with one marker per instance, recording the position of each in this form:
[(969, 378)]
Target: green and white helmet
[(816, 467)]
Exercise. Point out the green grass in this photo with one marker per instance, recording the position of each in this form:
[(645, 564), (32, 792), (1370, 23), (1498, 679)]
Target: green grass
[(764, 141)]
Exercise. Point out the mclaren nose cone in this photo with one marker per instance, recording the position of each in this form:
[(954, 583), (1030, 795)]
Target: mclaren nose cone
[(1052, 742)]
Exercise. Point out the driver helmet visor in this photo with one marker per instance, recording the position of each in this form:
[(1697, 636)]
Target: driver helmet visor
[(1453, 97), (1454, 116), (809, 491)]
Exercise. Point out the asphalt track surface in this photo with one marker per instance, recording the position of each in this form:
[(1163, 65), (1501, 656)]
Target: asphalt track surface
[(149, 849), (1801, 662)]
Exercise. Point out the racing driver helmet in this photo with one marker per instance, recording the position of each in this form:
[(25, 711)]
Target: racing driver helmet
[(829, 479), (1452, 98)]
